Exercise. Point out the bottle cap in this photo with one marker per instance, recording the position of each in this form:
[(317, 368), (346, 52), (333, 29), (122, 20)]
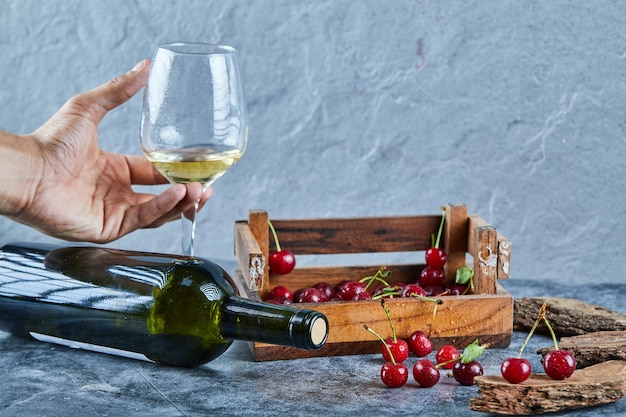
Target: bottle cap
[(317, 326)]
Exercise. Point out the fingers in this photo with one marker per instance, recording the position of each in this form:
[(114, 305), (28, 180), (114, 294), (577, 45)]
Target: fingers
[(97, 102), (165, 207), (142, 171)]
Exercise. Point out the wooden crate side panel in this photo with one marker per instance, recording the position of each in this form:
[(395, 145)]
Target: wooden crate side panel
[(458, 321), (504, 245), (356, 235), (257, 221), (485, 260), (458, 315), (249, 257), (265, 352)]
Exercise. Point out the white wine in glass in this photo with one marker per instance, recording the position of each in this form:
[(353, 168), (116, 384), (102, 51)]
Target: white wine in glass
[(194, 123)]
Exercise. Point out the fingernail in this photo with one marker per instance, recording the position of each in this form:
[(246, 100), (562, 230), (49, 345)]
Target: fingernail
[(139, 65)]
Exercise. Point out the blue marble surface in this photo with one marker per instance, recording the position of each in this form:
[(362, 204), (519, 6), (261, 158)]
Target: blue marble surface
[(40, 379)]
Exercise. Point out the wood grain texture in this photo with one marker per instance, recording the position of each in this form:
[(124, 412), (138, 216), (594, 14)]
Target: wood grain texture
[(485, 259), (249, 254), (599, 384), (356, 235), (503, 245), (567, 316), (593, 348), (455, 239)]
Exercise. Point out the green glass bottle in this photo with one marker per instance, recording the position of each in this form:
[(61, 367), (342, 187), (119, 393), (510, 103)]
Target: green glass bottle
[(170, 309)]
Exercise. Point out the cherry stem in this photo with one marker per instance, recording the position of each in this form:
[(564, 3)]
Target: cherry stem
[(393, 360), (393, 329), (443, 219), (540, 316), (545, 320), (439, 365), (274, 233), (378, 276)]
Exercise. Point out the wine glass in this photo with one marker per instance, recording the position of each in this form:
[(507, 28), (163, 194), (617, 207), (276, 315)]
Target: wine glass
[(194, 124)]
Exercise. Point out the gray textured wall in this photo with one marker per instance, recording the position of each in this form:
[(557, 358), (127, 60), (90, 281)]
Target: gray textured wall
[(515, 108)]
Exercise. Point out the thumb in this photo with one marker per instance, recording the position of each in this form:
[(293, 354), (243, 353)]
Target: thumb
[(114, 92)]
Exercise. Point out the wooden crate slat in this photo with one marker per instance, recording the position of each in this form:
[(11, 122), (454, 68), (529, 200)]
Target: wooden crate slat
[(302, 277), (455, 239), (356, 235)]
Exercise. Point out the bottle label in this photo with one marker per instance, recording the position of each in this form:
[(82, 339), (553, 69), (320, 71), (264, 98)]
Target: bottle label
[(88, 346)]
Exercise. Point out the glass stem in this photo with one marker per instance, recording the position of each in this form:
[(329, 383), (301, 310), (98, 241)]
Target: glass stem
[(189, 230)]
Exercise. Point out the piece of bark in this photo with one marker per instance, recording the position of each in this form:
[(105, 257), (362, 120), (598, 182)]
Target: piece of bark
[(595, 347), (567, 316), (598, 384)]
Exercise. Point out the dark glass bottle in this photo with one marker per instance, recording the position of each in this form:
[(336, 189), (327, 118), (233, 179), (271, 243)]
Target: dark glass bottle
[(174, 310)]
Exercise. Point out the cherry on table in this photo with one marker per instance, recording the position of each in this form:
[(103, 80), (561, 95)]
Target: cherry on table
[(559, 364), (394, 375), (420, 344), (446, 356), (425, 373), (465, 373), (399, 349), (515, 370)]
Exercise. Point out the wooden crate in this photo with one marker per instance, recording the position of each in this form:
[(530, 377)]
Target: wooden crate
[(486, 315)]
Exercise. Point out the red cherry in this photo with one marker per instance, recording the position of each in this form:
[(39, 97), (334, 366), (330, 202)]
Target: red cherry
[(419, 344), (432, 291), (446, 356), (399, 349), (307, 295), (425, 373), (436, 257), (432, 277), (394, 375), (279, 300), (465, 373), (349, 290), (410, 290), (282, 262), (281, 291), (456, 289), (515, 370), (559, 364), (327, 290), (363, 296)]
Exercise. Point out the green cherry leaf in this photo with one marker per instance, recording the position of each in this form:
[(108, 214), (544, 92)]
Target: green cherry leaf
[(472, 352), (464, 275)]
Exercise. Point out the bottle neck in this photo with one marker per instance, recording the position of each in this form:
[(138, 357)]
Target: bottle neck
[(250, 320)]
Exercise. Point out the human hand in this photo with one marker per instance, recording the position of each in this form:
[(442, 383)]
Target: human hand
[(71, 189)]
